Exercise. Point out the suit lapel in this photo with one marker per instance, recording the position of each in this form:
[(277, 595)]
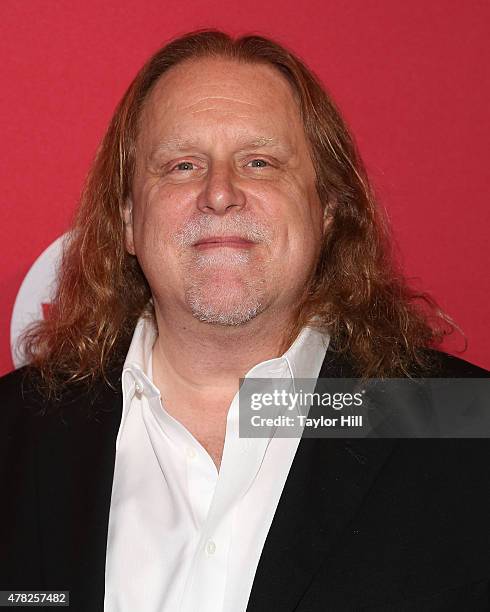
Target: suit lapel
[(327, 482), (75, 475)]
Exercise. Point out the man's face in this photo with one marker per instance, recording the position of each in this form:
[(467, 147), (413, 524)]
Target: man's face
[(226, 221)]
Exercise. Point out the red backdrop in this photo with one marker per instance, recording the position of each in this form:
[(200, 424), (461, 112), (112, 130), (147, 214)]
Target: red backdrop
[(412, 79)]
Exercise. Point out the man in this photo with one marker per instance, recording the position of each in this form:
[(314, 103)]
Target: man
[(228, 231)]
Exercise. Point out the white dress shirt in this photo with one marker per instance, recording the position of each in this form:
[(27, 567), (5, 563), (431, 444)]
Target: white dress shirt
[(184, 537)]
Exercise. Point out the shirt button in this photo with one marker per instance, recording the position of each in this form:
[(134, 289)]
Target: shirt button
[(138, 388), (191, 453), (210, 547)]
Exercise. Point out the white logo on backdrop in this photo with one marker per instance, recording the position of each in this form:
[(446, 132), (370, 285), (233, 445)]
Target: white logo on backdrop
[(34, 296)]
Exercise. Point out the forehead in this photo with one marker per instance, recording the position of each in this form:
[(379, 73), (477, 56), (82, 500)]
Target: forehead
[(219, 92)]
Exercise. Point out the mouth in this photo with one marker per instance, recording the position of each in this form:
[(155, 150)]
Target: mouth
[(219, 242)]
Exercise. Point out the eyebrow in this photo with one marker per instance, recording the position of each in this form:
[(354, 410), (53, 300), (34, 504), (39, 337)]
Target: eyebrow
[(181, 144)]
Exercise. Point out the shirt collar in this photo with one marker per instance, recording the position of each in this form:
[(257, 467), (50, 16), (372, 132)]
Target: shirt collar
[(135, 369), (303, 359)]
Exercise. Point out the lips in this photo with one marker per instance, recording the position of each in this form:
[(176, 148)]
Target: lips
[(235, 242)]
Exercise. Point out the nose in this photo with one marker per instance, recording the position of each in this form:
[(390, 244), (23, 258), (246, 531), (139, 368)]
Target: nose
[(220, 193)]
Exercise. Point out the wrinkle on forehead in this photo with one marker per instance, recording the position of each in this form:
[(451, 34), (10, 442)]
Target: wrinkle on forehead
[(225, 83), (204, 98)]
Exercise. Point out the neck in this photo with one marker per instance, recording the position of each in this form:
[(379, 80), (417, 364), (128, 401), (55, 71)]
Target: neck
[(205, 355)]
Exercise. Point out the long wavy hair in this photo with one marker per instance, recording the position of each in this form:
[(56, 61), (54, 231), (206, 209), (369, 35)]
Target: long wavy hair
[(356, 292)]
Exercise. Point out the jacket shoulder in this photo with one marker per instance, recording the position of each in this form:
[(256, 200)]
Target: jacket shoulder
[(17, 392), (444, 365), (438, 365), (11, 383), (23, 403)]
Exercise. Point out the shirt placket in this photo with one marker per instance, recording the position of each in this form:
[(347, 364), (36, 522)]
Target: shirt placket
[(207, 581)]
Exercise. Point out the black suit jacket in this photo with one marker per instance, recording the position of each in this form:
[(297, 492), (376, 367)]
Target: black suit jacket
[(362, 524)]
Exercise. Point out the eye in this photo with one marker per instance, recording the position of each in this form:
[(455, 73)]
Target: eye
[(259, 163), (185, 165)]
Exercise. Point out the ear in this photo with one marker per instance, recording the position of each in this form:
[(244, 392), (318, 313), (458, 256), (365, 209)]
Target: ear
[(128, 226)]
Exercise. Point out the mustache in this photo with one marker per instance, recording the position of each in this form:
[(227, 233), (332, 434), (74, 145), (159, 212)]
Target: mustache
[(204, 227)]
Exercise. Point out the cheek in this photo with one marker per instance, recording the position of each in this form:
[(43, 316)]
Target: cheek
[(297, 219), (160, 218), (154, 231), (296, 216)]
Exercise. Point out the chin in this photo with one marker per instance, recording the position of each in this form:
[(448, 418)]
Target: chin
[(227, 296), (230, 311)]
